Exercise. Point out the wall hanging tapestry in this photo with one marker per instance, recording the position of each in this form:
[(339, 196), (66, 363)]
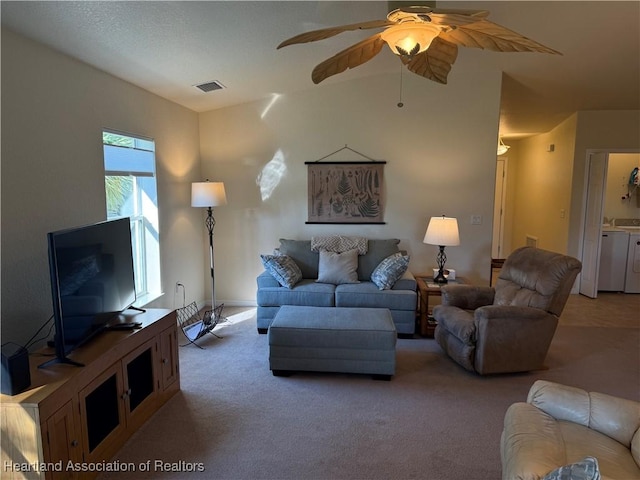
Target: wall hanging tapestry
[(346, 192)]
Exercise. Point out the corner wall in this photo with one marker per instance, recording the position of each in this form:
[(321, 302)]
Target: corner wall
[(53, 174), (542, 186)]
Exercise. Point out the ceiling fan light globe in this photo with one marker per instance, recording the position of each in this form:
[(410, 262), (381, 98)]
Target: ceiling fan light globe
[(405, 38), (502, 148)]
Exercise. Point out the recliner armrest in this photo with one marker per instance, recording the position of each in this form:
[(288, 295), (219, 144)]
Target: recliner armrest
[(618, 418), (531, 444), (467, 297), (512, 339)]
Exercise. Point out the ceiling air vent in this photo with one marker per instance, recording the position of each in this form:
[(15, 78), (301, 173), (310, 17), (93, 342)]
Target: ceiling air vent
[(210, 86)]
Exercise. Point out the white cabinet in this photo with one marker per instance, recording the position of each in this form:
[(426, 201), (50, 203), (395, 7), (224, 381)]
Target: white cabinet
[(613, 261)]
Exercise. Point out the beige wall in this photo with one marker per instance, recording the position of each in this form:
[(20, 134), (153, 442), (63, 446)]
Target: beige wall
[(53, 113), (619, 170), (540, 187), (440, 149)]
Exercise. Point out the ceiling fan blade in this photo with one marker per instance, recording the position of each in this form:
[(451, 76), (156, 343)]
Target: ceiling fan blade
[(321, 34), (426, 10), (434, 63), (461, 11), (491, 36), (351, 57), (451, 19)]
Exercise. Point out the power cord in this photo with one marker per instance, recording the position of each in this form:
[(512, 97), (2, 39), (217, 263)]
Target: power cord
[(33, 339)]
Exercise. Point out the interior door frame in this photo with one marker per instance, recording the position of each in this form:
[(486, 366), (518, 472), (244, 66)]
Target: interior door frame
[(593, 205), (585, 191), (499, 206)]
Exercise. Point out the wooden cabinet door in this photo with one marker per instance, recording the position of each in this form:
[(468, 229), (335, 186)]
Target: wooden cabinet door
[(102, 415), (61, 442), (168, 357), (140, 372)]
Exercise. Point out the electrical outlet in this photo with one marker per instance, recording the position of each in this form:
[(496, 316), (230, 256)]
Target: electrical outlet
[(476, 219)]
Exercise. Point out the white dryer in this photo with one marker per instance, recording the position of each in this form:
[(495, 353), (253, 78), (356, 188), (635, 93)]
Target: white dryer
[(632, 280)]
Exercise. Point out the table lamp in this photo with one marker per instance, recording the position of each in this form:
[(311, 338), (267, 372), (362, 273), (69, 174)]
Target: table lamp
[(443, 232)]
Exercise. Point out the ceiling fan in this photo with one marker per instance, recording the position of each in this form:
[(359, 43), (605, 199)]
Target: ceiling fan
[(426, 39)]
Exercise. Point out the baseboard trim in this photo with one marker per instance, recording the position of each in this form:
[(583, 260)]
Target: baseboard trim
[(232, 303)]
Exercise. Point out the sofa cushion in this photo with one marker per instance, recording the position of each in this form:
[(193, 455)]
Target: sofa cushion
[(306, 292), (367, 295), (300, 252), (377, 251), (283, 269), (390, 270), (338, 268), (614, 459)]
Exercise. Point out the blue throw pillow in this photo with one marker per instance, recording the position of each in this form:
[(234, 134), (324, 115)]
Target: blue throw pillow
[(585, 469), (338, 268), (283, 269), (390, 270)]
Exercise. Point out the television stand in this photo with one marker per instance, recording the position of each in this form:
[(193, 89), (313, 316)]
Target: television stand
[(73, 416)]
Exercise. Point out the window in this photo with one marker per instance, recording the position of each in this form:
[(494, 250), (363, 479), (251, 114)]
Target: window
[(130, 185)]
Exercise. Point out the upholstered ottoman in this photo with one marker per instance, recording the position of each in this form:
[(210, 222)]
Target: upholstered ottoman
[(333, 339)]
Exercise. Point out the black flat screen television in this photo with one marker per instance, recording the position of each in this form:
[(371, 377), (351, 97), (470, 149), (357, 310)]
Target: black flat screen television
[(92, 281)]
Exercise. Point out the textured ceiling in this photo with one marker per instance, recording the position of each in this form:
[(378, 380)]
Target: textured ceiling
[(167, 47)]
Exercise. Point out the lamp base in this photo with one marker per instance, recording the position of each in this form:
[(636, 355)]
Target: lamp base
[(441, 258), (440, 278)]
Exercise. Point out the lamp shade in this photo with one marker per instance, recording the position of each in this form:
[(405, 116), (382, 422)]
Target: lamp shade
[(404, 38), (208, 194), (442, 231)]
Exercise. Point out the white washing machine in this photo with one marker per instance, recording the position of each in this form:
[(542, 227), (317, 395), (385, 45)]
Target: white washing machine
[(632, 280)]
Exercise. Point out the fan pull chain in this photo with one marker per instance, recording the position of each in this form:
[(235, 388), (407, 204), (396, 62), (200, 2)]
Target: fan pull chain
[(400, 104)]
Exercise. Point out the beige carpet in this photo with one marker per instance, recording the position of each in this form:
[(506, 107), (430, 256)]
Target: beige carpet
[(433, 420)]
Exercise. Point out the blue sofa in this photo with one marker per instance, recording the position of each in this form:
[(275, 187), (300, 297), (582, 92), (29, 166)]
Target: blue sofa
[(400, 299)]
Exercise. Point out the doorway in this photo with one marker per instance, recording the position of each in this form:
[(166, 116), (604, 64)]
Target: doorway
[(600, 193), (498, 243)]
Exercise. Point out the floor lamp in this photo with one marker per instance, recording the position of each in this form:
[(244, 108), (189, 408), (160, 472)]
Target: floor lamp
[(210, 194), (443, 232)]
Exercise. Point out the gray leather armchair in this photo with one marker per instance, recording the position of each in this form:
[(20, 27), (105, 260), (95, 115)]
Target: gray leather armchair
[(509, 327)]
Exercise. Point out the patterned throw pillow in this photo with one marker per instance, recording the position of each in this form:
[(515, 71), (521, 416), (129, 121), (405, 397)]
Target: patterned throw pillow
[(283, 269), (585, 469), (389, 270), (339, 244)]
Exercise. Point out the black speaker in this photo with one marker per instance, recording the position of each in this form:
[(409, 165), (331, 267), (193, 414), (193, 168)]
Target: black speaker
[(15, 369)]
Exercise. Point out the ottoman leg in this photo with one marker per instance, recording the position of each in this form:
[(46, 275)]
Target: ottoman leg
[(385, 378), (282, 373)]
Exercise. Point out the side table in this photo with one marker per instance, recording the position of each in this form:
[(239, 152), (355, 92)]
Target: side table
[(427, 288)]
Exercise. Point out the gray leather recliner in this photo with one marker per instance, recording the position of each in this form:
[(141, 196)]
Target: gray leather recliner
[(509, 327)]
